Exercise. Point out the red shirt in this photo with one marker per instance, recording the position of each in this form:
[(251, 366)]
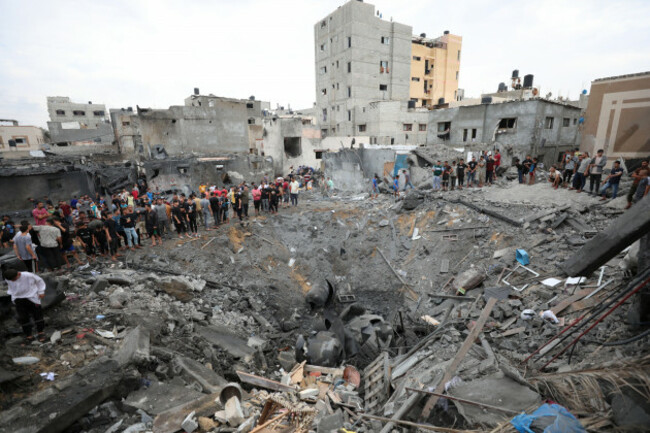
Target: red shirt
[(67, 210), (134, 193), (40, 215), (285, 186), (497, 159)]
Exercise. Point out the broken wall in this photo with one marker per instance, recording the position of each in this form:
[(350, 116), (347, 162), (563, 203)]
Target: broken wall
[(57, 186), (344, 167)]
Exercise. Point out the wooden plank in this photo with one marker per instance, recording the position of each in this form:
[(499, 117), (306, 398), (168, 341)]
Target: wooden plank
[(570, 300), (263, 382), (513, 331), (467, 344), (324, 370)]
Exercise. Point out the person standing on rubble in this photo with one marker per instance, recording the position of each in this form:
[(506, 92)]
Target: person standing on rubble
[(294, 188), (113, 239), (637, 177), (612, 181), (596, 167), (40, 214), (497, 163), (215, 208), (205, 211), (453, 174), (531, 172), (570, 161), (244, 201), (257, 199), (127, 221), (407, 180), (580, 177), (460, 170), (374, 193), (23, 247), (26, 290), (446, 169), (481, 171), (471, 172), (490, 170), (179, 219), (50, 239), (437, 176)]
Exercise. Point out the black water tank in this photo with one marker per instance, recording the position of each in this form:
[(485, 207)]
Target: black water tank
[(486, 100), (196, 91), (515, 73), (411, 104), (503, 87), (528, 81), (423, 35), (251, 98), (446, 32), (441, 101)]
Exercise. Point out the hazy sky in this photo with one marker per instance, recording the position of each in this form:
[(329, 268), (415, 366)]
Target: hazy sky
[(153, 53)]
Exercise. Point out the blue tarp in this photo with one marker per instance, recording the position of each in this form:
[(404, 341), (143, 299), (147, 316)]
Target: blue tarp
[(400, 163), (561, 420)]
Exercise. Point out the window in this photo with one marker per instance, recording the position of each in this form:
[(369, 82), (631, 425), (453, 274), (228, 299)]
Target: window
[(337, 64), (349, 115), (383, 87), (323, 24), (362, 128), (98, 113), (422, 127), (392, 140), (349, 67), (349, 92), (566, 122), (465, 134), (407, 127), (334, 130), (324, 115), (444, 127), (210, 103), (323, 47), (508, 123), (385, 40), (21, 141), (417, 58), (323, 70), (323, 133), (319, 154), (249, 105), (78, 113), (323, 92), (548, 123), (383, 66), (60, 112), (338, 108), (575, 120), (126, 123), (337, 86), (459, 55), (415, 79), (473, 133), (349, 41)]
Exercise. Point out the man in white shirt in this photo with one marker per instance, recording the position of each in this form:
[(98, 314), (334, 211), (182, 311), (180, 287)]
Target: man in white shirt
[(294, 186), (26, 290)]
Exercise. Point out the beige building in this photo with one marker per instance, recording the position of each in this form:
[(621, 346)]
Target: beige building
[(14, 137), (618, 117), (435, 69)]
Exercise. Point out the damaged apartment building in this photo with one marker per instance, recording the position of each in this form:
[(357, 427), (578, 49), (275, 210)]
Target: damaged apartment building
[(78, 124)]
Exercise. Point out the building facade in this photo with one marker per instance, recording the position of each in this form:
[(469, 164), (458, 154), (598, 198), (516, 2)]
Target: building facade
[(536, 127), (359, 58), (617, 118), (74, 123), (15, 137), (435, 69)]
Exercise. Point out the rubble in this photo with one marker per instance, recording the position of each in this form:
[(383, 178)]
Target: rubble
[(380, 323)]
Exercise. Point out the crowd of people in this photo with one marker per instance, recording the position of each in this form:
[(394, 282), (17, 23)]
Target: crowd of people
[(107, 225)]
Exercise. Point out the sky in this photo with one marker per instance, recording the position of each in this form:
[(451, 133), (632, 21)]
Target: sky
[(152, 53)]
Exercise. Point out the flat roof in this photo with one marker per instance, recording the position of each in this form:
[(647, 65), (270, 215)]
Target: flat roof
[(618, 77)]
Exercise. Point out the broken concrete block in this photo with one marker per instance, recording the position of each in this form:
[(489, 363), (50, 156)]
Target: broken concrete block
[(222, 337), (247, 425), (331, 423), (177, 288), (504, 252), (208, 379), (287, 360), (309, 393), (100, 285), (170, 420), (134, 348), (55, 337), (220, 417), (74, 359), (234, 413), (160, 397), (189, 424)]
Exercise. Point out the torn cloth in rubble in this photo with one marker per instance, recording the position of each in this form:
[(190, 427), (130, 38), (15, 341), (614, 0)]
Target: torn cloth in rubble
[(549, 418)]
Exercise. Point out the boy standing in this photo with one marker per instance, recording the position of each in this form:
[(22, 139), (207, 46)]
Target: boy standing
[(27, 290)]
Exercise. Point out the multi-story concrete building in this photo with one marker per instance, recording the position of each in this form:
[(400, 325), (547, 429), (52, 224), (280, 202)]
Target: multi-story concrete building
[(15, 137), (359, 58), (618, 117), (435, 69), (77, 123)]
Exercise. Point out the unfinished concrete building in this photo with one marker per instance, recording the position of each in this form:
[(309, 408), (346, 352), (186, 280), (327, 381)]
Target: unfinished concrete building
[(74, 124), (618, 117), (18, 139), (536, 127)]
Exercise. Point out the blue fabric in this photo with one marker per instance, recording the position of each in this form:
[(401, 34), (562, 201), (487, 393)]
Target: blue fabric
[(400, 164), (564, 421)]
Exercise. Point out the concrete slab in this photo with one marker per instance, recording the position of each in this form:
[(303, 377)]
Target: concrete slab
[(222, 337), (134, 348), (160, 397), (208, 379), (170, 421)]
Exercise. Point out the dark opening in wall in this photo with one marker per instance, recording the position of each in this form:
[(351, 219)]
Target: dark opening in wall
[(292, 147), (173, 120), (508, 123), (319, 155), (249, 105)]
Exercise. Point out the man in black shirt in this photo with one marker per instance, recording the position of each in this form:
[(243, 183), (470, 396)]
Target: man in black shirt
[(460, 169), (471, 172), (178, 218), (215, 208), (266, 193), (190, 209), (127, 221), (110, 229), (151, 224)]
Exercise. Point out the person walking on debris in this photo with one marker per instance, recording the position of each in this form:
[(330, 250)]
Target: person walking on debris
[(127, 221), (330, 187), (23, 247), (51, 243), (407, 180), (612, 181), (596, 167), (294, 187), (26, 290), (437, 176), (396, 186), (637, 177), (85, 239), (374, 193)]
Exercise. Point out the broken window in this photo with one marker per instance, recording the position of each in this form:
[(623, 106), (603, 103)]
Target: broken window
[(251, 121), (422, 127), (465, 134), (417, 58), (292, 147), (210, 103), (407, 127), (323, 92), (566, 122), (182, 170), (392, 140), (415, 78), (383, 66), (323, 133), (323, 24), (98, 113), (362, 128), (473, 133), (20, 141), (126, 123), (383, 87), (508, 123), (78, 113), (444, 129), (575, 120), (319, 154), (60, 112), (249, 105), (385, 40), (323, 47), (548, 123)]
